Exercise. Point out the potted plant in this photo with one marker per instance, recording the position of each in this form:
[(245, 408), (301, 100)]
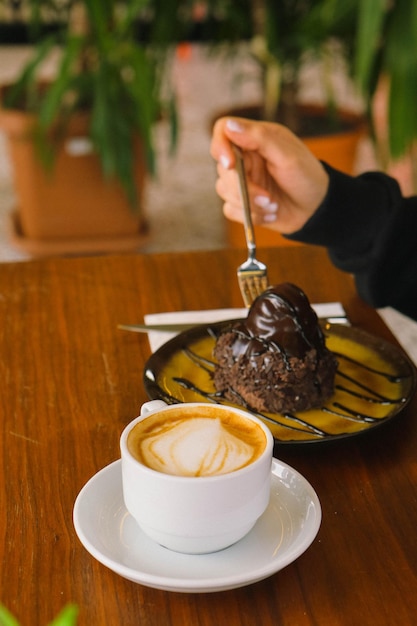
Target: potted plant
[(66, 617), (286, 35), (386, 71), (95, 116)]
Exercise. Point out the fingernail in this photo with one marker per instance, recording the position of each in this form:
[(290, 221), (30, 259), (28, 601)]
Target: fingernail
[(224, 161), (234, 126), (269, 217), (266, 204)]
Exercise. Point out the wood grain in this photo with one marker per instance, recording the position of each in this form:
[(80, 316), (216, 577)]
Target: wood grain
[(71, 381)]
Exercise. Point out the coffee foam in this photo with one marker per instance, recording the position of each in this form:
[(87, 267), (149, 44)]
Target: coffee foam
[(185, 444)]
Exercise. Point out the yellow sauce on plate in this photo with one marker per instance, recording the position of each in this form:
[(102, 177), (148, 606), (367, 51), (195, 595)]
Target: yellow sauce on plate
[(373, 383)]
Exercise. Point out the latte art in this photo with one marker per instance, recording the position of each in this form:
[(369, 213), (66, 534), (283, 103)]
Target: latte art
[(196, 445)]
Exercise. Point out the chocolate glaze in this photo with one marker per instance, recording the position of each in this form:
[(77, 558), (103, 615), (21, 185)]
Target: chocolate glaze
[(282, 319)]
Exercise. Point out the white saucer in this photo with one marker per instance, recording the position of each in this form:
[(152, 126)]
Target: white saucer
[(282, 534)]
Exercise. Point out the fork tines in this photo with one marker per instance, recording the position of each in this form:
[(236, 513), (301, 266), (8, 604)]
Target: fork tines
[(253, 280)]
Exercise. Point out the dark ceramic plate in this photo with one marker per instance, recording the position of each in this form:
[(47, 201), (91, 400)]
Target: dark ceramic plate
[(374, 382)]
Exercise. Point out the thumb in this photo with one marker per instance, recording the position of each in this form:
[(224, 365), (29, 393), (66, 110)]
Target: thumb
[(273, 142), (242, 132), (232, 130)]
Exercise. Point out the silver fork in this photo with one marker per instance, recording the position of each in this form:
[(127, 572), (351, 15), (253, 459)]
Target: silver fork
[(252, 274)]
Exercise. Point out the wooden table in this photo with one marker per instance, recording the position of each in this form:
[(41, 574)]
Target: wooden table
[(70, 381)]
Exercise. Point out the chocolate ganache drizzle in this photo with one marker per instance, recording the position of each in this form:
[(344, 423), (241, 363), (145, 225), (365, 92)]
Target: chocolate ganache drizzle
[(281, 316)]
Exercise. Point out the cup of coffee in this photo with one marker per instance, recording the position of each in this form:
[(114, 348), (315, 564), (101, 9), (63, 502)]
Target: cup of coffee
[(196, 476)]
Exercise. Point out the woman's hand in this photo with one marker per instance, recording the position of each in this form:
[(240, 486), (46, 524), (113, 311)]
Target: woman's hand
[(286, 183)]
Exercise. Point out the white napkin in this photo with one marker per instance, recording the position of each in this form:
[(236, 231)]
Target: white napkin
[(156, 339)]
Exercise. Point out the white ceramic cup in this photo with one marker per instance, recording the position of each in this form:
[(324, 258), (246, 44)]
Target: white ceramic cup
[(195, 514)]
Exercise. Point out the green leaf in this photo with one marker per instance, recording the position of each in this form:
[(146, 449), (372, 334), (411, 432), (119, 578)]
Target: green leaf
[(53, 100), (99, 16), (401, 68), (402, 122), (371, 16), (112, 134), (128, 15), (67, 617), (6, 618)]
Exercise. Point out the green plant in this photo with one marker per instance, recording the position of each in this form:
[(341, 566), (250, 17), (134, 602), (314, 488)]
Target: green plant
[(287, 34), (387, 47), (107, 67), (67, 617)]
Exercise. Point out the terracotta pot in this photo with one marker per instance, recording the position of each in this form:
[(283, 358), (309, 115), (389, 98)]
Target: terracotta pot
[(72, 208), (338, 148)]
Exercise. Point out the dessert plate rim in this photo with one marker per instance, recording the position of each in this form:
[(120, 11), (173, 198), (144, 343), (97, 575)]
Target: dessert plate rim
[(391, 353)]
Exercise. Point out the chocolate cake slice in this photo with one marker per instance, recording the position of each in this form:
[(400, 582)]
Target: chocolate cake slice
[(276, 360)]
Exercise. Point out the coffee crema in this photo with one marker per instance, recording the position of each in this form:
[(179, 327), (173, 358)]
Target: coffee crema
[(185, 443)]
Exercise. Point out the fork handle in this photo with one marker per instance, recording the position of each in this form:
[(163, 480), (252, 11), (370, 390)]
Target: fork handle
[(249, 231)]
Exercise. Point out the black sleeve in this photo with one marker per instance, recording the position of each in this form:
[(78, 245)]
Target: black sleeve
[(370, 230)]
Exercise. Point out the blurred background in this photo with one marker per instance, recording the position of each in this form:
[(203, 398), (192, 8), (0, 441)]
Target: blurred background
[(131, 88)]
